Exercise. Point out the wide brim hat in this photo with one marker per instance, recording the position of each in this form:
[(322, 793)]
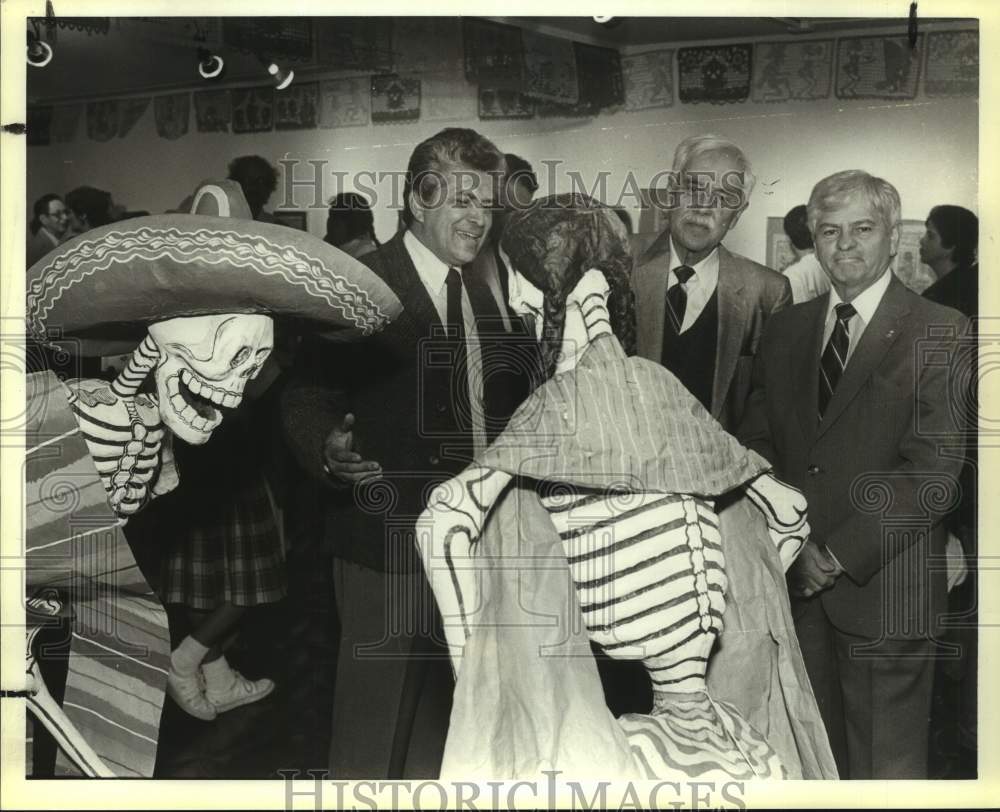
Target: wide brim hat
[(101, 290)]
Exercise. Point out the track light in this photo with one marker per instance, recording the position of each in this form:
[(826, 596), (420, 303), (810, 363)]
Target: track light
[(210, 65), (282, 79), (39, 52)]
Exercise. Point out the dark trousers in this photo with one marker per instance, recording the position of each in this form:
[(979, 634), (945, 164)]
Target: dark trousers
[(876, 704), (393, 688)]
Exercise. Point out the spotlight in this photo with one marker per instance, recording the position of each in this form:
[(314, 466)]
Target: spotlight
[(608, 22), (282, 79), (39, 52), (210, 65)]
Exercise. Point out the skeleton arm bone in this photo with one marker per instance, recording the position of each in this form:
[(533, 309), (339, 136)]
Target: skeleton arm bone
[(784, 509), (447, 532)]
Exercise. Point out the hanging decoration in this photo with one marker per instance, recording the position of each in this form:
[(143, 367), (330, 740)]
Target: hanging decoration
[(877, 68), (129, 112), (395, 99), (952, 63), (345, 102), (550, 68), (494, 54), (426, 45), (276, 37), (213, 111), (501, 103), (102, 120), (253, 109), (446, 96), (649, 80), (718, 74), (173, 114), (355, 43), (297, 108), (792, 71)]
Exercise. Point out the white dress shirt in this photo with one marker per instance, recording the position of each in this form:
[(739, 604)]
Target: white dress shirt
[(434, 275), (865, 303), (699, 287), (807, 278)]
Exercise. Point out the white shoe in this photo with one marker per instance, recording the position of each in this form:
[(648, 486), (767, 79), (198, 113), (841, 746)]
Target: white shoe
[(242, 691), (189, 693)]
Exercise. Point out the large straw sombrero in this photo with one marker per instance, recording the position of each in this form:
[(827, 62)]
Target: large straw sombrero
[(101, 290)]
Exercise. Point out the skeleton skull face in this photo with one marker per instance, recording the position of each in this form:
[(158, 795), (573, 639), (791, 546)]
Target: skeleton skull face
[(205, 363)]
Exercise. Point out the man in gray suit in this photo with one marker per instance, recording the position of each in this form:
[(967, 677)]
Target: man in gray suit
[(700, 308), (858, 400)]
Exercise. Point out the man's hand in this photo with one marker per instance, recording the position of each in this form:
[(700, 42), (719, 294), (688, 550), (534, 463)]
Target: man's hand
[(340, 463), (813, 571)]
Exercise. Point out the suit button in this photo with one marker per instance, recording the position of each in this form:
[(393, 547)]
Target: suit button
[(442, 408), (434, 459), (812, 470)]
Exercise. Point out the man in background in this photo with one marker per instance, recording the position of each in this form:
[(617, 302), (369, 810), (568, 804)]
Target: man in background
[(49, 227), (805, 275)]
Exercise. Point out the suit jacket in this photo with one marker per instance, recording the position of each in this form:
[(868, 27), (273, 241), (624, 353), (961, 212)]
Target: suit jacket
[(398, 386), (877, 469), (748, 294)]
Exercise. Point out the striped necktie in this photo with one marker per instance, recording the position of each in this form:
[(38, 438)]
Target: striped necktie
[(831, 365), (677, 297)]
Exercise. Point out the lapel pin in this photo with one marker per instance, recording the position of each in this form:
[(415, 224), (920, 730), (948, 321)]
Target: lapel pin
[(890, 334)]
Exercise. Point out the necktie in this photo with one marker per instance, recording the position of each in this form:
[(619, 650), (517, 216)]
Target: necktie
[(456, 335), (831, 365), (677, 297)]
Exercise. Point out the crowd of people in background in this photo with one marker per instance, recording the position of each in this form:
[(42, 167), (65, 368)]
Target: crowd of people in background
[(812, 368)]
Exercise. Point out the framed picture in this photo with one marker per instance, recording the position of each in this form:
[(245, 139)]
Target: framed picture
[(293, 218), (910, 270), (779, 247)]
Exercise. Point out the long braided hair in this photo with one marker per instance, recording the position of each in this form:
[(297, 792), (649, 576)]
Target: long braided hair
[(553, 243)]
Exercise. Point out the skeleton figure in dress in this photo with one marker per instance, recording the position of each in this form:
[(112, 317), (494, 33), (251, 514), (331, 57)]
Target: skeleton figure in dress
[(192, 297), (645, 555)]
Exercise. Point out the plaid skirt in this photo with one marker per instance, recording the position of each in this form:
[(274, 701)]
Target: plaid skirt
[(225, 544)]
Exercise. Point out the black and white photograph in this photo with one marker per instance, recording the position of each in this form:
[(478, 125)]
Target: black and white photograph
[(446, 410)]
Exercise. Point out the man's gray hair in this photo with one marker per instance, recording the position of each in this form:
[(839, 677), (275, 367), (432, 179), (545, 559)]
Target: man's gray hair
[(833, 191), (697, 146)]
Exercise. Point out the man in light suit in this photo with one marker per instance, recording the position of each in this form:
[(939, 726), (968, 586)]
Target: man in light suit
[(855, 401), (700, 309)]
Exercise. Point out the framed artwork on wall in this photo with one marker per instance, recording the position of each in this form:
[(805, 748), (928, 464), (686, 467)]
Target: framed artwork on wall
[(910, 270), (293, 218)]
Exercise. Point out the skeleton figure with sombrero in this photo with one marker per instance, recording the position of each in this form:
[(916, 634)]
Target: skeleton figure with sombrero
[(192, 297)]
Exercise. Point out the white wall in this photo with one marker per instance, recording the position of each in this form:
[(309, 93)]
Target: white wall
[(928, 148)]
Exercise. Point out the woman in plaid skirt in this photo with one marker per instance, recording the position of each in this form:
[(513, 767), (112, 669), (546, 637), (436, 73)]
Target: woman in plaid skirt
[(226, 556)]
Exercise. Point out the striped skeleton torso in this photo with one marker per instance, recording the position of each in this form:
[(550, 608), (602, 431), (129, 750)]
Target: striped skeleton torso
[(650, 575)]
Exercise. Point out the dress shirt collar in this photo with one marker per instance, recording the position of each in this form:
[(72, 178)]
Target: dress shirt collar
[(866, 302), (706, 272), (431, 270)]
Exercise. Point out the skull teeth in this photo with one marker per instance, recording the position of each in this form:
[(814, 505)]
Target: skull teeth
[(203, 389)]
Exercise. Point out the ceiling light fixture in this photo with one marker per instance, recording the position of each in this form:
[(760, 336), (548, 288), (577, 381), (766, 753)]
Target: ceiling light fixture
[(282, 78), (39, 52), (210, 66)]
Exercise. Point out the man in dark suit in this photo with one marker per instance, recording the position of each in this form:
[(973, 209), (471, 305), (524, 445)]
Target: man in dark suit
[(700, 309), (386, 421), (854, 401)]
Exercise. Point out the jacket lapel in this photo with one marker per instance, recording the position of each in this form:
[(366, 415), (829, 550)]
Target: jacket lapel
[(878, 337), (402, 276), (804, 352), (651, 277), (732, 328)]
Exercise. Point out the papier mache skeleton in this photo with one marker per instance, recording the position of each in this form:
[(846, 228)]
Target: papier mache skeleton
[(192, 297), (592, 518)]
